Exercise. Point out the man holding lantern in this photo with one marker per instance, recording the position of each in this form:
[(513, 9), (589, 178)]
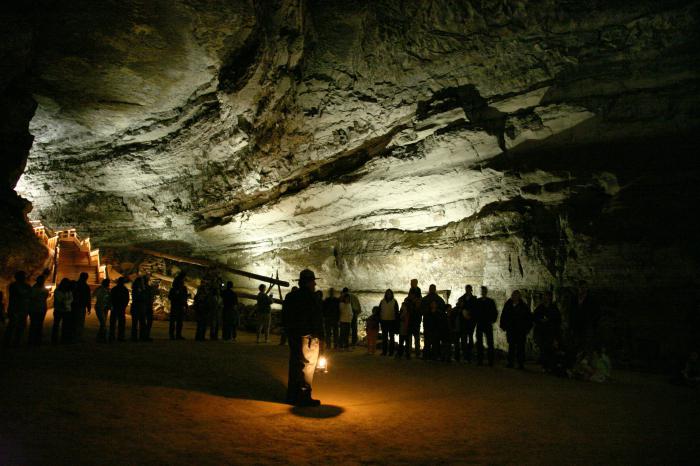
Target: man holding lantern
[(303, 321)]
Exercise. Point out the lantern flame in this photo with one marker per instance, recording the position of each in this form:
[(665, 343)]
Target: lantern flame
[(322, 364)]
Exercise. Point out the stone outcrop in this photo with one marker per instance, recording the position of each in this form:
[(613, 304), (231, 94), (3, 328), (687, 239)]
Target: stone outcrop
[(513, 143)]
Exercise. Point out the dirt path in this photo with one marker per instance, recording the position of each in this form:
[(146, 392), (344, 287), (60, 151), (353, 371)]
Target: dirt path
[(219, 403)]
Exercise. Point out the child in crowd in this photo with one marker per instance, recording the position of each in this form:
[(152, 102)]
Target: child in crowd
[(372, 329)]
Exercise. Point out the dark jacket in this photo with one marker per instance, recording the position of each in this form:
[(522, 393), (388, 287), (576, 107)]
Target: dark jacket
[(467, 305), (547, 320), (178, 297), (486, 312), (20, 298), (416, 317), (429, 298), (81, 297), (331, 311), (230, 299), (302, 314), (119, 295), (516, 319)]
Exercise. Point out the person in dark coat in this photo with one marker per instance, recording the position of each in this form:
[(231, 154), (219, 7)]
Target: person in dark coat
[(230, 312), (435, 328), (18, 305), (430, 322), (584, 317), (283, 332), (81, 304), (149, 300), (37, 310), (303, 320), (466, 307), (415, 320), (486, 316), (119, 297), (547, 322), (63, 326), (139, 302), (178, 306), (516, 321), (415, 288), (201, 312), (331, 317)]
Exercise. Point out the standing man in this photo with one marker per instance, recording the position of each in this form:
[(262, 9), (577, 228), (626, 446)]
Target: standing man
[(37, 310), (149, 298), (230, 300), (178, 306), (138, 307), (415, 320), (119, 296), (18, 306), (516, 321), (331, 318), (102, 307), (200, 310), (414, 288), (486, 316), (547, 320), (356, 312), (81, 304), (216, 308), (304, 326), (264, 310), (467, 306), (584, 317)]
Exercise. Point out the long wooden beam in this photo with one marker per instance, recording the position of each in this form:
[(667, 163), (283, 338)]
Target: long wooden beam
[(210, 264), (241, 294)]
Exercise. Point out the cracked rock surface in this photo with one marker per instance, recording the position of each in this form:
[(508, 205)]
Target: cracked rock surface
[(512, 143)]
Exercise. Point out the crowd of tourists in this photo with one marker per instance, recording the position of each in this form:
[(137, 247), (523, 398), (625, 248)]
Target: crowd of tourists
[(215, 309), (463, 332), (456, 333)]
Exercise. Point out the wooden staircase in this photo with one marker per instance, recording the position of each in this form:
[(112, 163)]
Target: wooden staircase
[(76, 257)]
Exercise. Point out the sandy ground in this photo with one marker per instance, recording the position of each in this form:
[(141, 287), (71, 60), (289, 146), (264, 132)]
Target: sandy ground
[(220, 403)]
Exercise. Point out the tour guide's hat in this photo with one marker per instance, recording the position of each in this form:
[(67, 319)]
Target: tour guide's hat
[(306, 275)]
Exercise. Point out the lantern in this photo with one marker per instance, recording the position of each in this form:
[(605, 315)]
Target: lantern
[(322, 365)]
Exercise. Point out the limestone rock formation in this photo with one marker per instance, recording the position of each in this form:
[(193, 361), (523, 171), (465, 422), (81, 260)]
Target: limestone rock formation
[(512, 143)]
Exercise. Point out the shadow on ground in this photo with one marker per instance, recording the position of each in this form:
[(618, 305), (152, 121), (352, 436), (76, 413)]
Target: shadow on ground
[(318, 412)]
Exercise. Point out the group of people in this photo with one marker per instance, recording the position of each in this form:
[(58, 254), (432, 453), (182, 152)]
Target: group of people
[(448, 331), (215, 306), (340, 317), (454, 332)]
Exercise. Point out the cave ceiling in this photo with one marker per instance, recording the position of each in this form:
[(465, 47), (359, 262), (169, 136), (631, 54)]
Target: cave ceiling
[(251, 126)]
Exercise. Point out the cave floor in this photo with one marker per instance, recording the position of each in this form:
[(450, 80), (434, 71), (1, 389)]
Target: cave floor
[(219, 403)]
